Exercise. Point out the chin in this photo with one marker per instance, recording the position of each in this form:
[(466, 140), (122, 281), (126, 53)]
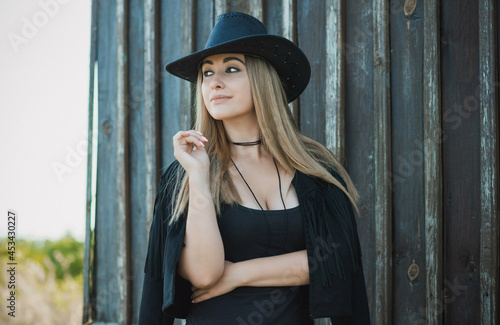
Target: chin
[(220, 113)]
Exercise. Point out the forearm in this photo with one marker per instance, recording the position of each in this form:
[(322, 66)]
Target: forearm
[(290, 269), (202, 258)]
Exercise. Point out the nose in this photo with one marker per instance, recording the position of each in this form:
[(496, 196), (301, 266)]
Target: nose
[(216, 81)]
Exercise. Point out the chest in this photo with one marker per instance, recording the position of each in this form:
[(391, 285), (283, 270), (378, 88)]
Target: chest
[(265, 187)]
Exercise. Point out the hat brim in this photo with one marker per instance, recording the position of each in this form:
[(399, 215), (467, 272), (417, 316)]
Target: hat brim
[(287, 58)]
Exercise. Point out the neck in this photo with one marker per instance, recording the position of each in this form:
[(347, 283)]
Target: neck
[(244, 131)]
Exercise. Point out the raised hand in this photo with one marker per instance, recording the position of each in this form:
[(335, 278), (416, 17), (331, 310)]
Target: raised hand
[(189, 150)]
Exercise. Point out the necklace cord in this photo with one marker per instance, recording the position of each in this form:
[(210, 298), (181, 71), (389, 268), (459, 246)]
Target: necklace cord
[(265, 216)]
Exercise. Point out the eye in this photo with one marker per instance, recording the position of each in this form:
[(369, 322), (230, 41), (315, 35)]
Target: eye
[(232, 69), (207, 73)]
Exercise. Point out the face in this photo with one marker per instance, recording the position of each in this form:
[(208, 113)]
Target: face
[(226, 87)]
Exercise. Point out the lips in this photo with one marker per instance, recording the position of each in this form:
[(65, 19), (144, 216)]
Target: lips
[(218, 99)]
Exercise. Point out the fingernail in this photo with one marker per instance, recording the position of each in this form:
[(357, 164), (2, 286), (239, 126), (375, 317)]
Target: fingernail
[(204, 138), (202, 144), (199, 132), (192, 301)]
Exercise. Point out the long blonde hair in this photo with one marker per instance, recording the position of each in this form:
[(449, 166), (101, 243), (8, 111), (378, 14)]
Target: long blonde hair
[(280, 137)]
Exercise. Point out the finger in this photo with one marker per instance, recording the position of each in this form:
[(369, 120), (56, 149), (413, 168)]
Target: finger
[(200, 298), (179, 135), (198, 292), (198, 134), (184, 140), (190, 134), (195, 133)]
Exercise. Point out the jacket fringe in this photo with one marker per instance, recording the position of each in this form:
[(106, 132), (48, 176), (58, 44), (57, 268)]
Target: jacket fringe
[(158, 231), (330, 214)]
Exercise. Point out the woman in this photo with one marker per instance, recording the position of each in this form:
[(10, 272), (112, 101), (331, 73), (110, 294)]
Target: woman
[(253, 222)]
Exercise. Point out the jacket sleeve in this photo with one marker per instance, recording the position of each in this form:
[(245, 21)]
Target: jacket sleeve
[(150, 312)]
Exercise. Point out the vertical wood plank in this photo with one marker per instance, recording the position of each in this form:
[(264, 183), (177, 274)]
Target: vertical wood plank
[(221, 6), (256, 9), (489, 162), (111, 232), (142, 104), (382, 162), (170, 95), (205, 11), (137, 151), (87, 294), (461, 156), (150, 103), (311, 20), (409, 269), (360, 128), (121, 163), (187, 44), (288, 8), (334, 79), (105, 289), (433, 163), (288, 24)]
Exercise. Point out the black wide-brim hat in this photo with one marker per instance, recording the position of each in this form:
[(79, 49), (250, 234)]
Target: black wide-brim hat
[(236, 32)]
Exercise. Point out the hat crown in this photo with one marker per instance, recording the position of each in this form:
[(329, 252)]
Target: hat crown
[(232, 26)]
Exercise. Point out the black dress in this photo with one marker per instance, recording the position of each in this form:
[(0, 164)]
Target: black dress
[(246, 235)]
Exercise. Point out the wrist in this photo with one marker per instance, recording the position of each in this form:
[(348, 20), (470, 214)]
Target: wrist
[(239, 274), (199, 177)]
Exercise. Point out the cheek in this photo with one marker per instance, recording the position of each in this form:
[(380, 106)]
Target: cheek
[(248, 94), (205, 94)]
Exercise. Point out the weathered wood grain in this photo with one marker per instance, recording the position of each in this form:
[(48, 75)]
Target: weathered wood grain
[(288, 30), (488, 69), (256, 9), (142, 104), (170, 96), (409, 269), (360, 128), (205, 19), (311, 22), (221, 6), (141, 188), (122, 226), (334, 79), (382, 163), (433, 164), (461, 157), (111, 227), (187, 47)]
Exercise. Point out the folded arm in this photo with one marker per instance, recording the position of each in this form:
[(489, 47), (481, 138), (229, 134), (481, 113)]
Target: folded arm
[(202, 259), (276, 271)]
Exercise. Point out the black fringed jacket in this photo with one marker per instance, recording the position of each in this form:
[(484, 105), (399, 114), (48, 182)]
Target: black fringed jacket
[(336, 279)]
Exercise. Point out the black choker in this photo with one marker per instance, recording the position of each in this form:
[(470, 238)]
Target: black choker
[(251, 143)]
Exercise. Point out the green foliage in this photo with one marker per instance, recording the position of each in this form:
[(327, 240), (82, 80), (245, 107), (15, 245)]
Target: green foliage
[(64, 256), (48, 281)]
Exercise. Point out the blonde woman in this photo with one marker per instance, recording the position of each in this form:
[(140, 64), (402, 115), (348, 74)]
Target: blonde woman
[(254, 222)]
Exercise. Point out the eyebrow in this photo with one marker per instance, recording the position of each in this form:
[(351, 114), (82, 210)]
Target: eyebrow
[(229, 58)]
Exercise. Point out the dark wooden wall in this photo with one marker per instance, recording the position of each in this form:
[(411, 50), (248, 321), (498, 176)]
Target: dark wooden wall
[(404, 92)]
